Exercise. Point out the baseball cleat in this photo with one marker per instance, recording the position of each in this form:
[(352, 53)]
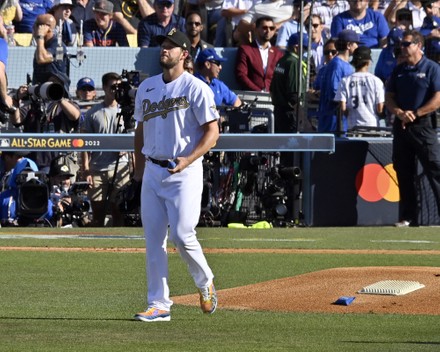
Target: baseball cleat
[(153, 314), (208, 299)]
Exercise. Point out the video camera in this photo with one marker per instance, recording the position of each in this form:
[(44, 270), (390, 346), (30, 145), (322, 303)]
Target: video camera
[(32, 200), (125, 91), (75, 205)]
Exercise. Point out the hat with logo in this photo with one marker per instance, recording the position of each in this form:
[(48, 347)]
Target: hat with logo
[(295, 38), (361, 53), (57, 169), (347, 35), (209, 55), (103, 6), (85, 82), (395, 36), (177, 37)]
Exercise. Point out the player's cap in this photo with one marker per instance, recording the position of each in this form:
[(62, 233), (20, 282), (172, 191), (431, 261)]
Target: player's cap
[(60, 170), (295, 38), (395, 36), (85, 82), (177, 37), (57, 3), (162, 1), (361, 53), (209, 55), (103, 6), (347, 35)]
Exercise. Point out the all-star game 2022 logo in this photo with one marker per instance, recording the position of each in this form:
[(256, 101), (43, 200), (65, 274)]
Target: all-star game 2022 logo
[(41, 142)]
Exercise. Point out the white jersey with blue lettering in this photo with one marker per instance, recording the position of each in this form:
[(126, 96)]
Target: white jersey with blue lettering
[(362, 92), (173, 110)]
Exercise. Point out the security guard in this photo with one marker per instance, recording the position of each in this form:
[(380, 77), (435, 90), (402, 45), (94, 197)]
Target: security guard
[(413, 95)]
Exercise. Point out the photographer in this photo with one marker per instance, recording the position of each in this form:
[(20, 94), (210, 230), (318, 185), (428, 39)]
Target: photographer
[(50, 58), (46, 108), (106, 171), (69, 202)]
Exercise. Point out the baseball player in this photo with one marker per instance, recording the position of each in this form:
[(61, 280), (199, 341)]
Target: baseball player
[(361, 94), (177, 125)]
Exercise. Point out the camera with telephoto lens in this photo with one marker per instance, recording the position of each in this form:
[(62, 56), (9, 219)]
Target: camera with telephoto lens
[(47, 91)]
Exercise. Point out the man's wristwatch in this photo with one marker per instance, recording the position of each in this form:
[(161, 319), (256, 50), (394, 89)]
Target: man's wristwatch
[(39, 37)]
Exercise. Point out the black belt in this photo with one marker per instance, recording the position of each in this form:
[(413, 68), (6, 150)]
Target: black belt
[(162, 163)]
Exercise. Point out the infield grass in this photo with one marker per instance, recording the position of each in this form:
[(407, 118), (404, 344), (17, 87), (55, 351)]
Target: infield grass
[(84, 301)]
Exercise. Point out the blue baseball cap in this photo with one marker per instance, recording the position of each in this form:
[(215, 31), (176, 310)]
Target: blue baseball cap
[(85, 82), (347, 35), (395, 36), (295, 38), (209, 55)]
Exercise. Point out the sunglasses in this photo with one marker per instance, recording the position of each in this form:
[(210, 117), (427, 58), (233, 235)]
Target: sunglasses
[(314, 25), (164, 4), (328, 52), (268, 28), (193, 24), (406, 44), (404, 18), (87, 89), (215, 62)]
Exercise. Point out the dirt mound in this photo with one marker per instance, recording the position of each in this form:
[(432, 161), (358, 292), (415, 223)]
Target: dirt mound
[(316, 292)]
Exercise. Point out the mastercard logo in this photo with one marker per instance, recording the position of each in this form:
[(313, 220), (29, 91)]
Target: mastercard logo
[(78, 143), (375, 182)]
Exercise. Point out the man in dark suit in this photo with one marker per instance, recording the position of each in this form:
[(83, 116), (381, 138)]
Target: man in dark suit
[(256, 62)]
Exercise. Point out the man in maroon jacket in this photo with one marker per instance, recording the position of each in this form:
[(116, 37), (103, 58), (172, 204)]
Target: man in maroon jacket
[(255, 62)]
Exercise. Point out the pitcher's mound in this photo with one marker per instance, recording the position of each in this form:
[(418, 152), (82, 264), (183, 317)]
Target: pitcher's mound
[(316, 292)]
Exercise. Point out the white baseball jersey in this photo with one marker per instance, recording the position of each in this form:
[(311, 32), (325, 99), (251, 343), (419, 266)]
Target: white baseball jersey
[(361, 91), (174, 113)]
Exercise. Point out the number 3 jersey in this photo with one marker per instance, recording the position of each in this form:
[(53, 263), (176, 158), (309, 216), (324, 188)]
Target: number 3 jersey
[(362, 92)]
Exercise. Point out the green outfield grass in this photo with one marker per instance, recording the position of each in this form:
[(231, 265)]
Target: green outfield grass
[(84, 301)]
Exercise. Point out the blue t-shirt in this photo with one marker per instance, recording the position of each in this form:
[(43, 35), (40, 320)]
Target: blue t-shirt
[(149, 28), (334, 71), (371, 29), (222, 94), (31, 10), (4, 52), (113, 35), (414, 86)]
